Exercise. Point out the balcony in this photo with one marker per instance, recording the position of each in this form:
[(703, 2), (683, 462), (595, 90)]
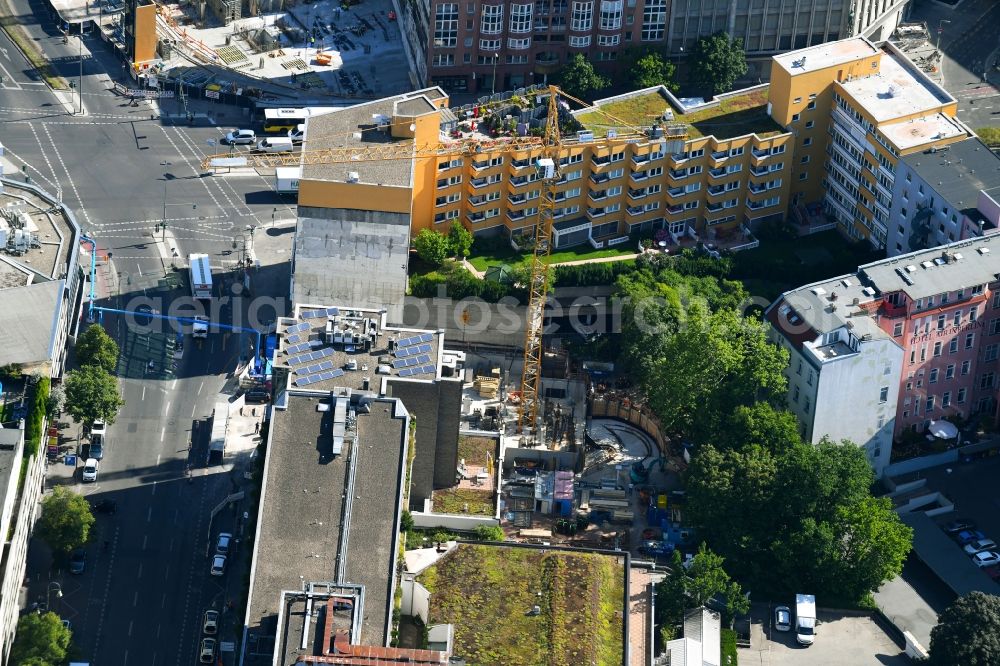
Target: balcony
[(479, 201), (680, 157), (713, 207), (521, 164), (476, 218), (679, 174), (598, 196), (676, 191), (601, 162), (635, 210), (480, 182), (518, 181), (598, 178), (757, 188), (595, 212), (639, 176), (637, 194), (761, 154), (720, 155), (516, 199), (716, 190), (717, 172), (757, 205), (516, 215)]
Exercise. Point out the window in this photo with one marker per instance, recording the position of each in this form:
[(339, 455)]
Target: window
[(811, 105), (960, 398), (933, 376), (953, 346), (930, 405), (518, 45), (445, 216), (991, 352), (996, 300), (488, 45), (446, 25), (608, 40), (804, 175), (946, 399), (995, 324), (579, 42), (969, 340), (446, 182), (795, 117), (611, 14), (443, 60), (798, 370), (654, 19), (966, 365), (797, 100), (492, 20), (937, 348), (808, 141), (897, 329), (974, 313), (451, 198), (582, 18), (520, 19), (795, 395), (941, 320), (809, 379), (883, 394), (949, 372), (956, 320), (804, 160), (805, 407), (986, 381)]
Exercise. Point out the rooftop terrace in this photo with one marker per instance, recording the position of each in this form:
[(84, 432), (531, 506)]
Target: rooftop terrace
[(733, 116)]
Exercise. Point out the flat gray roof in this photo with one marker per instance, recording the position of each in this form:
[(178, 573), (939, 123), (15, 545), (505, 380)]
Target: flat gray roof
[(354, 258), (303, 513), (898, 89), (825, 55), (945, 557), (826, 306), (416, 353), (29, 335), (929, 272), (959, 171), (10, 441)]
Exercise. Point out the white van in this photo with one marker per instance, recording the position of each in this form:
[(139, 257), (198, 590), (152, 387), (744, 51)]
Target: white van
[(298, 134), (275, 144)]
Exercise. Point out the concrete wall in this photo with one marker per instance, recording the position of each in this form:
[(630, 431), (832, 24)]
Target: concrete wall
[(639, 416), (451, 521), (416, 599), (923, 462)]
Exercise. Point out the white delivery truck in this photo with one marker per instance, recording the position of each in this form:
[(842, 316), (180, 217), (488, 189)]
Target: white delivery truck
[(199, 327), (220, 422), (201, 276), (287, 179), (805, 618), (275, 144)]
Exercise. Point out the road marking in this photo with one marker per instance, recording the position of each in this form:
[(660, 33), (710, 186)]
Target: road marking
[(193, 409), (168, 407), (173, 385), (163, 430), (126, 657), (135, 599), (157, 464), (138, 269), (69, 178), (171, 545), (149, 515), (200, 387), (143, 393), (144, 538), (130, 622), (139, 575)]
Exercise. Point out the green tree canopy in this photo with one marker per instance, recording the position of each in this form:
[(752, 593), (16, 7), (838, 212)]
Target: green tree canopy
[(648, 68), (797, 517), (66, 520), (460, 239), (703, 579), (91, 393), (579, 79), (717, 62), (40, 639), (432, 246), (489, 533), (96, 347), (968, 632)]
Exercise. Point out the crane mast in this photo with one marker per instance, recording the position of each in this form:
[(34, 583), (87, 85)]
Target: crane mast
[(538, 287)]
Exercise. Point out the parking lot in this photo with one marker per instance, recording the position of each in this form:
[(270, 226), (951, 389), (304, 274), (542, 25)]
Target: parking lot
[(841, 640)]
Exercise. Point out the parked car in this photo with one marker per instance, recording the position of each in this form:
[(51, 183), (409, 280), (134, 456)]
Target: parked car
[(218, 565), (956, 526), (98, 431), (90, 469), (107, 506), (206, 653), (78, 561), (968, 536), (240, 136), (298, 134), (210, 624), (256, 396), (980, 545), (222, 545), (987, 558), (96, 450), (782, 618)]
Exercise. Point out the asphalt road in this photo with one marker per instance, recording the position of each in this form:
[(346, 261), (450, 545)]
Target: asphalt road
[(141, 599)]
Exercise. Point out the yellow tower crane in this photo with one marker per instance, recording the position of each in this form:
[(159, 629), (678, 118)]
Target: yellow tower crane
[(549, 147)]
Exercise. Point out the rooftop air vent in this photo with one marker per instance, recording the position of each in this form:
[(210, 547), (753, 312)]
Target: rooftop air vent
[(818, 291), (868, 291), (957, 256), (984, 250), (845, 282), (911, 268), (353, 176), (926, 264)]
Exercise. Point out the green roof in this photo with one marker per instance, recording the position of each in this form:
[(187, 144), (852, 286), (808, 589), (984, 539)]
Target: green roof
[(732, 117)]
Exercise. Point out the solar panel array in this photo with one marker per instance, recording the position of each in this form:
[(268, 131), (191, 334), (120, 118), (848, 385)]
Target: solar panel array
[(413, 360), (304, 326), (407, 372), (411, 351), (312, 356), (295, 349), (323, 312), (319, 377), (294, 339), (314, 368), (416, 339)]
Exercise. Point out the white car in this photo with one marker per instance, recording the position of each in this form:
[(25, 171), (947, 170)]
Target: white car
[(206, 653), (98, 431), (241, 136), (298, 134), (90, 469), (782, 618), (980, 545), (210, 625), (218, 565), (986, 558)]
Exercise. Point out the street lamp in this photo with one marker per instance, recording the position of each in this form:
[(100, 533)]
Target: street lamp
[(273, 212), (496, 56), (162, 225), (940, 30)]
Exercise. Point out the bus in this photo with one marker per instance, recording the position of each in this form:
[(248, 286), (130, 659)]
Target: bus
[(286, 119), (201, 276)]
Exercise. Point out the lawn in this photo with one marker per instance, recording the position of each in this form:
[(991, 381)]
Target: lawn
[(486, 592), (732, 117), (989, 135), (474, 449), (495, 257), (454, 500)]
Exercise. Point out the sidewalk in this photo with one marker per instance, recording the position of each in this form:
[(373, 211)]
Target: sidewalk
[(596, 260)]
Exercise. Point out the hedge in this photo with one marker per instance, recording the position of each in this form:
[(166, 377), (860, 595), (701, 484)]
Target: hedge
[(36, 417)]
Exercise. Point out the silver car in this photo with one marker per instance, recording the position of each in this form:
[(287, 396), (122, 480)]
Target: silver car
[(980, 545), (782, 618), (218, 565), (241, 136)]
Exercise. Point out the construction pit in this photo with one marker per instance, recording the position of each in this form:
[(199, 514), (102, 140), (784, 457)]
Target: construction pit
[(322, 50)]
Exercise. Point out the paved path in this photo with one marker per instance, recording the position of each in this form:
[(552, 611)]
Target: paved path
[(596, 260), (639, 620)]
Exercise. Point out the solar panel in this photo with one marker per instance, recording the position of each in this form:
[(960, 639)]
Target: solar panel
[(401, 353), (295, 349), (337, 373), (316, 343), (294, 339), (297, 327), (425, 348), (426, 337), (399, 363), (296, 360), (406, 372), (332, 311), (314, 368), (423, 358), (323, 353), (428, 368), (404, 342), (326, 365), (312, 314), (303, 381), (326, 375)]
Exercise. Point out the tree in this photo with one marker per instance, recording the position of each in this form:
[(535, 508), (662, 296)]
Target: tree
[(967, 632), (431, 246), (40, 639), (760, 423), (66, 520), (460, 239), (579, 79), (704, 579), (91, 393), (649, 68), (717, 62), (489, 533), (96, 347), (406, 521)]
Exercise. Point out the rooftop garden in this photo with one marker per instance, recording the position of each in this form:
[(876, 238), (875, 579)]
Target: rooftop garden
[(468, 501), (488, 593), (732, 117)]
